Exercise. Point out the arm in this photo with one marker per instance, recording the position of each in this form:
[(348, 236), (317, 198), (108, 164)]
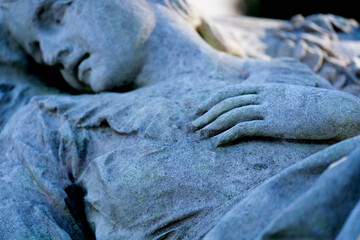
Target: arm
[(279, 111)]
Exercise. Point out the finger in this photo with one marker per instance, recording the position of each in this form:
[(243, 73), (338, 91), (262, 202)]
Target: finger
[(285, 48), (223, 107), (300, 50), (241, 130), (341, 23), (325, 24), (314, 58), (228, 92), (313, 27), (230, 119)]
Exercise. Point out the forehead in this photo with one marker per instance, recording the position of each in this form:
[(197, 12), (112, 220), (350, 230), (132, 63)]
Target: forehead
[(21, 15), (26, 9), (19, 12)]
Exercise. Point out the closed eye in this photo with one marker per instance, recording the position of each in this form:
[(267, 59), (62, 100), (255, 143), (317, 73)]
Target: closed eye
[(51, 12)]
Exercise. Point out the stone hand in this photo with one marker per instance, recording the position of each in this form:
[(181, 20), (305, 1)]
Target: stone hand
[(323, 24), (278, 111)]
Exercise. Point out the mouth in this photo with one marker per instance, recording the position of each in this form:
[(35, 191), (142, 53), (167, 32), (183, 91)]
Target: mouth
[(69, 78), (77, 64), (72, 71)]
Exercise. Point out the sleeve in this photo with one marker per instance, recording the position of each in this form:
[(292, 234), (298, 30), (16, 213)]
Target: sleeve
[(33, 201)]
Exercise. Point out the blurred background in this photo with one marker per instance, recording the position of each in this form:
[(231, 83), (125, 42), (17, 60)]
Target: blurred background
[(278, 9)]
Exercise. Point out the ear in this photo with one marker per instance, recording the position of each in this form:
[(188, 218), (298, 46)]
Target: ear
[(11, 52)]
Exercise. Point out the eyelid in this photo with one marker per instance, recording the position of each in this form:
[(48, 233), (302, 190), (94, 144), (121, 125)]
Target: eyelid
[(51, 12)]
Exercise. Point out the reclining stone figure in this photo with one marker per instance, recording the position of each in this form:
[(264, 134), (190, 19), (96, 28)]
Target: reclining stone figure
[(264, 157)]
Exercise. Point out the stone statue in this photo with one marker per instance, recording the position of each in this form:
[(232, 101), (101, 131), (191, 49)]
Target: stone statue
[(192, 143)]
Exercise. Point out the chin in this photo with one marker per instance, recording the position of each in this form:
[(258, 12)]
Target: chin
[(73, 82), (101, 84), (98, 88), (101, 81)]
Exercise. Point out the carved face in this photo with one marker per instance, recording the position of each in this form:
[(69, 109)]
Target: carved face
[(95, 43)]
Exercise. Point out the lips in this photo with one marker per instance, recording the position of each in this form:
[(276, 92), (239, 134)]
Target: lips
[(77, 64), (72, 67), (74, 72), (84, 71), (74, 82)]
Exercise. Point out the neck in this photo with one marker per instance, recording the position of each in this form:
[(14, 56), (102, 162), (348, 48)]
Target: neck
[(173, 50)]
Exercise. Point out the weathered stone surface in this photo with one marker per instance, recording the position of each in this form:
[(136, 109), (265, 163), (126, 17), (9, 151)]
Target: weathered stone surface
[(305, 199), (321, 41), (263, 168)]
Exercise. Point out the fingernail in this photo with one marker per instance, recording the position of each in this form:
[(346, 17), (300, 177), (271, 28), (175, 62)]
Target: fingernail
[(190, 128), (203, 134), (200, 111)]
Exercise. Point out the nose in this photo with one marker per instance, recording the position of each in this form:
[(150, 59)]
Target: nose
[(49, 53), (54, 54)]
